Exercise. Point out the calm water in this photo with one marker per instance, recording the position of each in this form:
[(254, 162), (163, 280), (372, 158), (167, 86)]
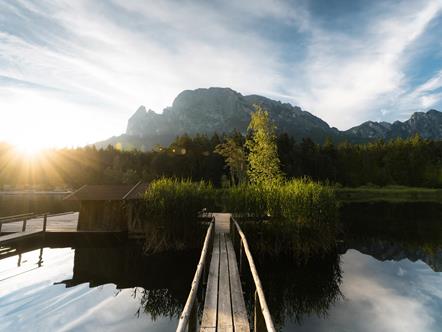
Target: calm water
[(93, 289), (12, 204), (385, 275)]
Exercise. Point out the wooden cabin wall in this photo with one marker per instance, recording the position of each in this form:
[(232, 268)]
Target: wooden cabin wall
[(102, 216)]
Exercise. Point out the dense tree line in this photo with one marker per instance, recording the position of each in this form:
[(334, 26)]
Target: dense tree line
[(411, 162)]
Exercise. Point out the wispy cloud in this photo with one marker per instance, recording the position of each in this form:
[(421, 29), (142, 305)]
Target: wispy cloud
[(102, 59)]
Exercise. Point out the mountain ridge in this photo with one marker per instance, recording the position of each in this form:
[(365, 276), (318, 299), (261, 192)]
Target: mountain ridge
[(223, 110)]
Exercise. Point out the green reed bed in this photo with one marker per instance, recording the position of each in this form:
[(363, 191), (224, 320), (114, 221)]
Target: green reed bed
[(297, 216), (171, 208), (283, 214)]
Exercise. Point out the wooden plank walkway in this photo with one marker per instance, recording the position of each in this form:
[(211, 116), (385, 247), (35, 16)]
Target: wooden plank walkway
[(224, 306)]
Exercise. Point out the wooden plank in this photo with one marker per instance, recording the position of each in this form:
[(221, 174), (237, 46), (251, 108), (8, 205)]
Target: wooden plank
[(208, 322), (222, 222), (225, 321), (239, 312), (18, 236)]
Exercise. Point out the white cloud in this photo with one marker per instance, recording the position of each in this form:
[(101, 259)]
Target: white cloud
[(346, 78), (107, 58)]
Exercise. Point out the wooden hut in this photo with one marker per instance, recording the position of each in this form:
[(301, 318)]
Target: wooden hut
[(107, 207)]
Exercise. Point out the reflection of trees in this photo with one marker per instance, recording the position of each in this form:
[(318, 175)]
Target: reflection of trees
[(158, 303), (160, 282), (294, 290), (279, 238), (395, 231)]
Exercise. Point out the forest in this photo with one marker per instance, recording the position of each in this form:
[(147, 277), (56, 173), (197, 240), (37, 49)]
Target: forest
[(409, 162)]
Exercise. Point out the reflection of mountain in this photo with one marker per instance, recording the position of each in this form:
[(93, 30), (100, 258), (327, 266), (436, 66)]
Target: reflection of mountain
[(294, 289), (385, 250), (163, 280), (397, 231)]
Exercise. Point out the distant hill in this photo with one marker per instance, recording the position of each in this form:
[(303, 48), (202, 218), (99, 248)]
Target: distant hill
[(427, 125), (224, 110)]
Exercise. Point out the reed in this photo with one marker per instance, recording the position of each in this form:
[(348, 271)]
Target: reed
[(172, 207)]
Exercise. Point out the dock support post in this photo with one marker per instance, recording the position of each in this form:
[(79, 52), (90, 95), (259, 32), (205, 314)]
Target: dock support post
[(24, 225), (45, 221), (258, 322)]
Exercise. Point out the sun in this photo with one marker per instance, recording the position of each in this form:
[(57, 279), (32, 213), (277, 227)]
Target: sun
[(29, 150)]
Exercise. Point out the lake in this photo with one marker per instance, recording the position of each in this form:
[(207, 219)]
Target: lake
[(82, 288), (385, 274), (17, 203)]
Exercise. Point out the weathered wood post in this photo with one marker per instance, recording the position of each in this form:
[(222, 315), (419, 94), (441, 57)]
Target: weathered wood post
[(240, 256), (24, 224), (258, 322), (45, 221), (193, 319)]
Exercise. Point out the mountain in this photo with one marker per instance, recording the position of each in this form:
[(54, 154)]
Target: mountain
[(224, 110), (427, 125)]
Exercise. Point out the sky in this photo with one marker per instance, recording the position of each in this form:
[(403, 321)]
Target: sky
[(73, 72)]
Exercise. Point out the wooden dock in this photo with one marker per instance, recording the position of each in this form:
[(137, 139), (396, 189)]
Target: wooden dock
[(224, 307), (30, 225)]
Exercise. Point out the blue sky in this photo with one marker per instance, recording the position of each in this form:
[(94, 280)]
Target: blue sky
[(76, 70)]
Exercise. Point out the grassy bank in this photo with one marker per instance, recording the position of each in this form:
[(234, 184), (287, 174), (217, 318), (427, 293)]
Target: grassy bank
[(389, 194)]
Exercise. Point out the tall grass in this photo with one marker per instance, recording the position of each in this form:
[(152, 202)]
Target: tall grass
[(297, 217), (299, 201), (171, 208), (291, 210)]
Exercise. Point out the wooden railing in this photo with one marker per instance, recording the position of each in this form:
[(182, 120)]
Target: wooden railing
[(262, 319), (189, 316), (26, 216)]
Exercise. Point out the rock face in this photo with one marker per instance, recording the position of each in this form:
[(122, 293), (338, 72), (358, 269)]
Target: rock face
[(224, 110), (427, 125)]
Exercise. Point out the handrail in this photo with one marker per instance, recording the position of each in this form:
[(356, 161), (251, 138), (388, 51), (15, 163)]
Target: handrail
[(16, 217), (20, 217), (185, 315), (262, 300)]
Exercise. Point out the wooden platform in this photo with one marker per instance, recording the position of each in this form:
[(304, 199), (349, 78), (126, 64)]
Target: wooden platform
[(13, 231), (58, 223), (224, 307)]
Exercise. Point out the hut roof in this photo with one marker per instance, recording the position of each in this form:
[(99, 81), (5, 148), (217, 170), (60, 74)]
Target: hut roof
[(108, 192)]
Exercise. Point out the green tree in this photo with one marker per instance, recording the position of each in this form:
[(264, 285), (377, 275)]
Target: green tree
[(264, 164), (235, 159)]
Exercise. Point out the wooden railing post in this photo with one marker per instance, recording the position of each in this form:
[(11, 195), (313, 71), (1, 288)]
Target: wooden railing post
[(240, 256), (193, 319), (24, 225), (45, 221), (1, 224), (258, 321)]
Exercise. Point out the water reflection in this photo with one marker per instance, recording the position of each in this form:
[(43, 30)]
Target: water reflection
[(85, 289), (384, 274), (296, 290), (381, 296)]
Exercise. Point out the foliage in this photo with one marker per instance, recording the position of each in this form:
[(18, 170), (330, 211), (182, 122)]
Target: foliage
[(411, 162), (262, 150), (171, 209), (235, 158), (296, 201)]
